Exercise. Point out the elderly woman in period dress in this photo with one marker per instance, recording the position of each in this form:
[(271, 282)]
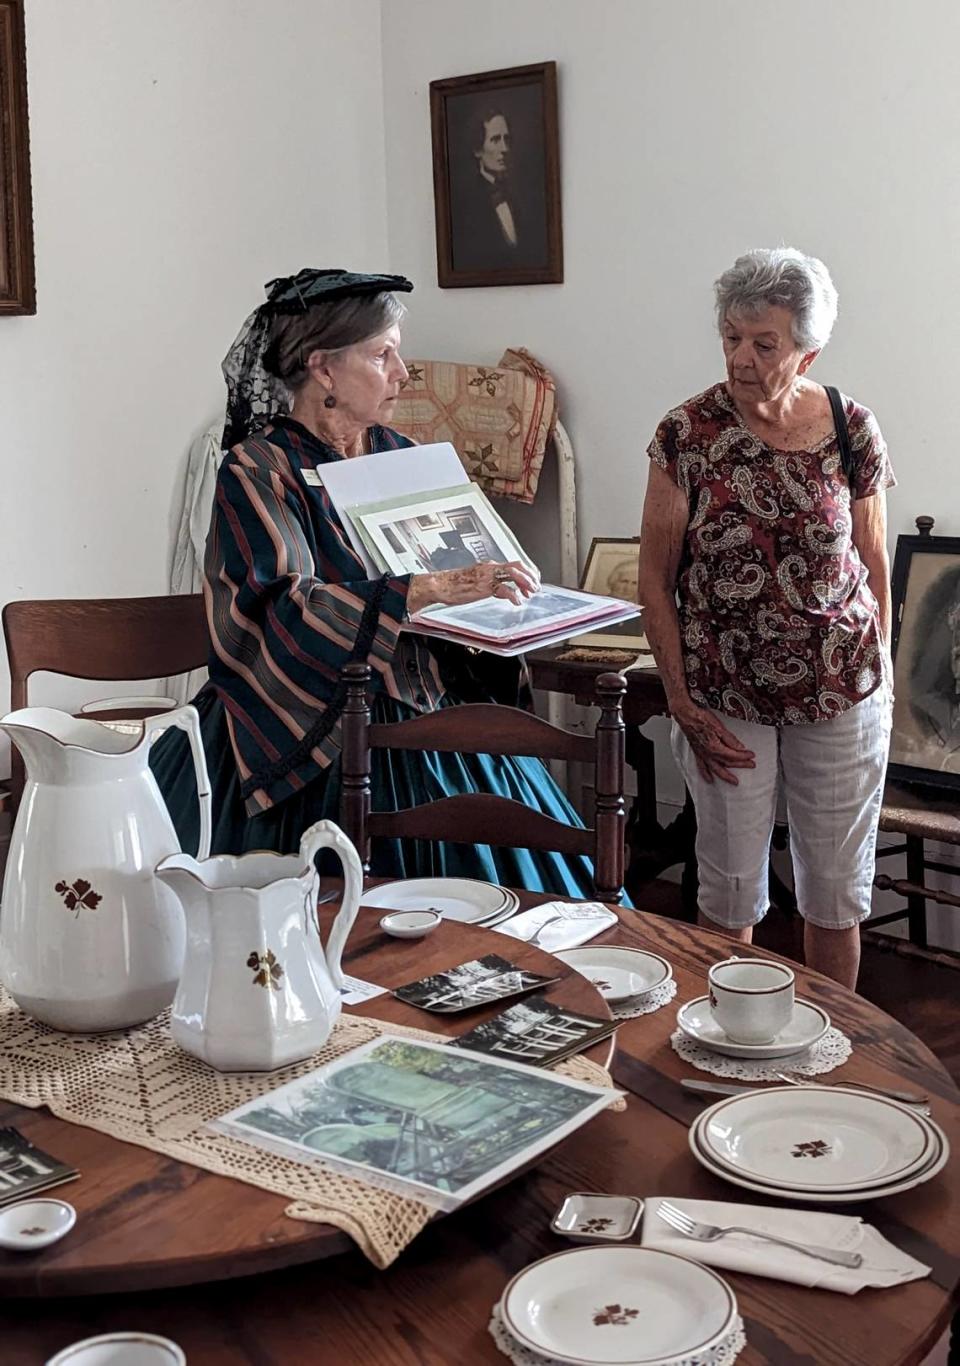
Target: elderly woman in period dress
[(313, 378), (765, 579)]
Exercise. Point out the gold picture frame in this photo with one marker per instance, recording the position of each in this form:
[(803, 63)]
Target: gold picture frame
[(611, 569)]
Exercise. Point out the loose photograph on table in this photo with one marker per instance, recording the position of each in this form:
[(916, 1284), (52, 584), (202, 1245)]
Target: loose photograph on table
[(536, 1031), (424, 1120), (445, 529), (469, 985), (925, 741)]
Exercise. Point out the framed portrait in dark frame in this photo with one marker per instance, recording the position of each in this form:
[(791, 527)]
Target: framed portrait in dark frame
[(925, 740), (17, 293), (496, 178)]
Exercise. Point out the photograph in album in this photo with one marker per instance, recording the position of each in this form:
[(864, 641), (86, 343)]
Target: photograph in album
[(429, 532), (550, 611)]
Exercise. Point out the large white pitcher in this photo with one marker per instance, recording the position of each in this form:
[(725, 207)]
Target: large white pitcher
[(89, 939), (258, 989)]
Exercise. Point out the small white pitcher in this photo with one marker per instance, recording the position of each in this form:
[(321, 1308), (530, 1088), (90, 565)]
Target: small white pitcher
[(89, 940), (257, 990)]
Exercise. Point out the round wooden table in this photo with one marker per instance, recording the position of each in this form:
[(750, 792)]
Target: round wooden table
[(432, 1306)]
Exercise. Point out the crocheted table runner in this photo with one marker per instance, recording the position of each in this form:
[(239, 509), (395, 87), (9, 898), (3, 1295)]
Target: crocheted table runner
[(138, 1086)]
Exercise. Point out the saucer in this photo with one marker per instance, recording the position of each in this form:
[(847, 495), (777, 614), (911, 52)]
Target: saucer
[(808, 1026), (618, 974), (121, 1349), (30, 1225)]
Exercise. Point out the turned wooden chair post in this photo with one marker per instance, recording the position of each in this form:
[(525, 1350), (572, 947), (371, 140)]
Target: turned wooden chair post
[(610, 816), (355, 762)]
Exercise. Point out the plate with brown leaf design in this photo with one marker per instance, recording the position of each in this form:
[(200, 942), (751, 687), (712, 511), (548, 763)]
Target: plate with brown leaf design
[(815, 1139), (618, 1306)]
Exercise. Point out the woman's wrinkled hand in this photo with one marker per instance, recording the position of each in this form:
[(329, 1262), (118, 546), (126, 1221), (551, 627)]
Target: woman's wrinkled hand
[(514, 581), (716, 749)]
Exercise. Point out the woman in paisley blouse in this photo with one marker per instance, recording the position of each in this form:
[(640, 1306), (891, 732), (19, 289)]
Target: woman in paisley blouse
[(765, 580)]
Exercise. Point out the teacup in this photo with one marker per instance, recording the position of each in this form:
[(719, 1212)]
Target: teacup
[(121, 1349), (751, 998)]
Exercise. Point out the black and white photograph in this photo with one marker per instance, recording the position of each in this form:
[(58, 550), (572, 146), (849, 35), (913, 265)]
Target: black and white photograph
[(925, 742), (536, 1031), (25, 1170), (496, 177), (612, 567), (471, 984), (451, 529), (547, 610)]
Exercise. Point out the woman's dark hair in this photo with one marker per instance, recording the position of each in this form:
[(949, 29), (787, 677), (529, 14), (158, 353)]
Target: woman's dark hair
[(328, 326)]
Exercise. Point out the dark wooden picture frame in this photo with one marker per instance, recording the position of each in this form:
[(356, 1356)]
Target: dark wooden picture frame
[(925, 742), (17, 291), (496, 178)]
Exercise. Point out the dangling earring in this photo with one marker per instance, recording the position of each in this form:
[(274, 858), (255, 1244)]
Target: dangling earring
[(329, 401)]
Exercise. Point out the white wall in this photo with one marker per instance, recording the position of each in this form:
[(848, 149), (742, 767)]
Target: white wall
[(690, 132), (183, 154)]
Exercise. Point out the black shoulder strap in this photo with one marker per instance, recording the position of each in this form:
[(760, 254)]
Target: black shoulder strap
[(843, 435)]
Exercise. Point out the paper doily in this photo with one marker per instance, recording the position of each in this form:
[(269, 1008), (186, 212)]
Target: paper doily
[(725, 1351), (832, 1051), (654, 1000)]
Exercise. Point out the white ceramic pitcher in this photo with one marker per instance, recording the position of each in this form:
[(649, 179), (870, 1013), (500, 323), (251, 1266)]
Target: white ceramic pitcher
[(258, 990), (89, 939)]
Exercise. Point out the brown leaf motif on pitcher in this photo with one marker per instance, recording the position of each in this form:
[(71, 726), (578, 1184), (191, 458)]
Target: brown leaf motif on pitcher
[(815, 1148), (266, 969), (77, 895), (614, 1314)]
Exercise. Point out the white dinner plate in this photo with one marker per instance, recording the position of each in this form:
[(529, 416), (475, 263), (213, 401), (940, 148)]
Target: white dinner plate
[(616, 973), (938, 1160), (618, 1306), (815, 1139), (456, 898), (808, 1026)]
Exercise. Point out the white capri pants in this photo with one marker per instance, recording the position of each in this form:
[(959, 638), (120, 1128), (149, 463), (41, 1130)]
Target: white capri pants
[(832, 774)]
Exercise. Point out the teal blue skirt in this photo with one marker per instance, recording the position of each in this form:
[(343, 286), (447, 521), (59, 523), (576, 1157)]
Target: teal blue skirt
[(399, 779)]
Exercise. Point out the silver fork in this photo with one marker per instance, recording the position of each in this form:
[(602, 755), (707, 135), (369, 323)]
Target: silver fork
[(905, 1097), (532, 939), (709, 1233)]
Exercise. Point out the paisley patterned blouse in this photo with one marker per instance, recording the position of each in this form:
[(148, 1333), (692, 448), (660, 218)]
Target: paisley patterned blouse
[(777, 622)]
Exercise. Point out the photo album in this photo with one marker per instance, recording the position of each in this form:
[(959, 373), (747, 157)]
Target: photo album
[(428, 517)]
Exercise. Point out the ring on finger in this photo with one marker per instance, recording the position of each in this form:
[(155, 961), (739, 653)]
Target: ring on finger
[(502, 576)]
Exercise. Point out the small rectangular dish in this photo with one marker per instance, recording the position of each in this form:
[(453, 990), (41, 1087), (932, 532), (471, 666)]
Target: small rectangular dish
[(588, 1217)]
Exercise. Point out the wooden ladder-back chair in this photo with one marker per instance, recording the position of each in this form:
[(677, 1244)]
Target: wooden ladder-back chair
[(100, 638), (482, 818)]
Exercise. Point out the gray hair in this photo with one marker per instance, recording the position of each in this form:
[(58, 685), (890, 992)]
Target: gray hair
[(331, 326), (781, 277)]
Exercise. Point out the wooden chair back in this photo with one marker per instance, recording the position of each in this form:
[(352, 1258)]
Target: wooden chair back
[(100, 638), (482, 818)]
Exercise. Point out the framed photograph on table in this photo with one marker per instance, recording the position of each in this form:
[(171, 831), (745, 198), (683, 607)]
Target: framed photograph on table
[(612, 568), (925, 741), (17, 294), (496, 178)]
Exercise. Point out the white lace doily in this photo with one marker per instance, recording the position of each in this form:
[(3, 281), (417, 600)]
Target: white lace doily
[(725, 1352), (833, 1050), (654, 1000)]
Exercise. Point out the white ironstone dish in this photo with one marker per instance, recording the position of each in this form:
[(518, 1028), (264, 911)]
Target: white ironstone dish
[(121, 1349), (937, 1161), (815, 1138), (618, 1306), (588, 1217), (410, 924), (455, 898), (30, 1225), (807, 1027), (618, 974)]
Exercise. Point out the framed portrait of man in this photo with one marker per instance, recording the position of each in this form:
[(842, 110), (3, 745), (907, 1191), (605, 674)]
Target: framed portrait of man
[(496, 177), (925, 740), (16, 213)]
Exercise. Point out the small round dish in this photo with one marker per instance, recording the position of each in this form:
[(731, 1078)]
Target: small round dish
[(32, 1224), (121, 1349), (410, 924)]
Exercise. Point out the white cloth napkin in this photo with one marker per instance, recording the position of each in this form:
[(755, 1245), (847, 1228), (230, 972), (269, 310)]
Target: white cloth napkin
[(578, 921), (883, 1264)]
